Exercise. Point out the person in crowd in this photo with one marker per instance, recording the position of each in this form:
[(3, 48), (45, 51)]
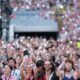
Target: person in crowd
[(12, 62), (10, 53), (50, 73), (15, 71), (18, 61), (66, 70), (40, 70), (27, 72), (7, 73)]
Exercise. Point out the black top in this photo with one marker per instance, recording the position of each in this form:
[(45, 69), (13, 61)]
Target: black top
[(54, 77)]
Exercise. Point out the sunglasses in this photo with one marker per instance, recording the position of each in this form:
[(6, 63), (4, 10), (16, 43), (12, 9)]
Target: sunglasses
[(47, 64)]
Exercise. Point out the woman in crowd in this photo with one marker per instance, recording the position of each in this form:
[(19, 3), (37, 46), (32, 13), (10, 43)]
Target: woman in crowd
[(50, 73), (66, 71), (15, 71), (7, 73), (27, 72), (18, 61)]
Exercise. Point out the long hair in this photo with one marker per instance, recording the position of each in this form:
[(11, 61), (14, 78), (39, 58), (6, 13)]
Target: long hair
[(53, 66), (70, 61), (53, 69)]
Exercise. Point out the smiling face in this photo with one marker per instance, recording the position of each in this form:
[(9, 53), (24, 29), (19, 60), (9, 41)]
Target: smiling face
[(18, 59), (29, 69), (68, 66), (11, 63), (7, 70), (47, 65)]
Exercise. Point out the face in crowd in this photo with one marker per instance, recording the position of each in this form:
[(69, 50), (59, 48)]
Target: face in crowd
[(12, 63), (68, 65), (47, 65), (7, 70), (29, 68), (18, 59)]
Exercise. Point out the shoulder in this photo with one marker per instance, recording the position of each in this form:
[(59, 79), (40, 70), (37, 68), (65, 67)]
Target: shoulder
[(3, 76)]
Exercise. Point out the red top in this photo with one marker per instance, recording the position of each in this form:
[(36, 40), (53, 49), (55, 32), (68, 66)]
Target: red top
[(31, 78), (42, 78)]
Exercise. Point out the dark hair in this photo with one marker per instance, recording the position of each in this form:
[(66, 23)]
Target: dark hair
[(9, 66), (0, 78), (53, 58), (39, 63), (26, 53), (53, 66), (14, 62), (12, 59)]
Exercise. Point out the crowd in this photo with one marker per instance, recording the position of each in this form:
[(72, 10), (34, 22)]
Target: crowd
[(37, 5), (39, 58), (30, 4), (71, 25)]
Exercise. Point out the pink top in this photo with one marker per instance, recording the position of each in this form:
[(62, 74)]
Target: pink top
[(8, 78)]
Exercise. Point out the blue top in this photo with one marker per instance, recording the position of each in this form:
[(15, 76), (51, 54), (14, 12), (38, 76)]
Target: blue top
[(66, 78)]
